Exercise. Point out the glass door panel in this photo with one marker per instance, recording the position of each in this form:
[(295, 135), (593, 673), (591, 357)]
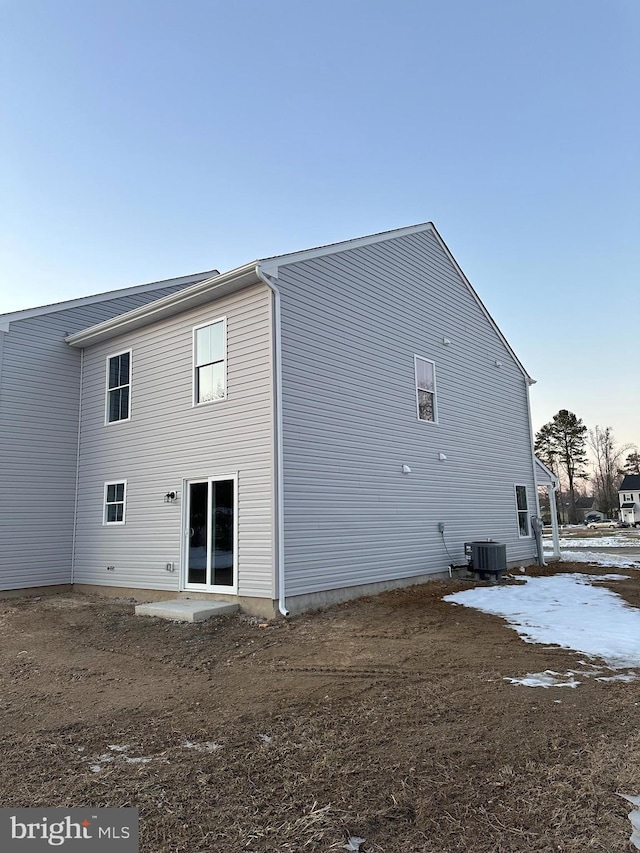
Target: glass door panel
[(198, 538), (222, 526)]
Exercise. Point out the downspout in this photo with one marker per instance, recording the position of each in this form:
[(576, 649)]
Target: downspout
[(528, 382), (75, 506), (278, 443)]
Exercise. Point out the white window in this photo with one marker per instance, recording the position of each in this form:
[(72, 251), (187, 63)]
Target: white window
[(115, 496), (118, 387), (209, 362), (426, 389), (523, 510)]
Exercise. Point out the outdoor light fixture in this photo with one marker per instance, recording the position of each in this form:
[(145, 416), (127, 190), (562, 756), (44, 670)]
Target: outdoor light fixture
[(170, 497), (442, 457), (406, 469), (446, 341), (498, 363)]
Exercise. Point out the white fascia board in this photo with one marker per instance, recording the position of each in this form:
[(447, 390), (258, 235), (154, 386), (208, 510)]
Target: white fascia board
[(27, 313), (544, 475), (168, 306), (481, 305), (270, 265)]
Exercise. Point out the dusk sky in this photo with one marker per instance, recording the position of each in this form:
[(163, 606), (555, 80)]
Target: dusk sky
[(143, 140)]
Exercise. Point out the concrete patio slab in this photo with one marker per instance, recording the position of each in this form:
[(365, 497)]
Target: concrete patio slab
[(185, 609)]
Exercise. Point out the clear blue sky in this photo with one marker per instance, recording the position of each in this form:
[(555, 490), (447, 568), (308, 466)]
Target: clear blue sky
[(142, 140)]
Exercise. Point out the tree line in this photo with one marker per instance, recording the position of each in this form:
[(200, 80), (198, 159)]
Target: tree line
[(563, 445)]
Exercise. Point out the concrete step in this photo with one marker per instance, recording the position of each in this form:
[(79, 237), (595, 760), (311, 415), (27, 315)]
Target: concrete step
[(185, 609)]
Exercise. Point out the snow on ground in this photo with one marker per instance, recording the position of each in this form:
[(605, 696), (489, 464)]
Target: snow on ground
[(634, 817), (567, 610), (594, 542), (619, 561)]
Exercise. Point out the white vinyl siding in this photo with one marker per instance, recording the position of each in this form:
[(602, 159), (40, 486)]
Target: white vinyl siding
[(522, 507), (118, 406), (209, 362), (170, 442), (426, 389), (39, 405), (115, 497), (352, 323)]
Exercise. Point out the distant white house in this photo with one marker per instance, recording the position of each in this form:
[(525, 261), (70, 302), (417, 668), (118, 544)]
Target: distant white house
[(299, 430), (629, 497)]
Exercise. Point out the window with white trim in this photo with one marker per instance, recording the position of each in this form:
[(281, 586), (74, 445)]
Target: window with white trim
[(115, 496), (425, 371), (523, 511), (118, 387), (209, 362)]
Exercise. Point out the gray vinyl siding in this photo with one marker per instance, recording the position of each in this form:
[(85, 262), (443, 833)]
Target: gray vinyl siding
[(39, 399), (352, 323), (168, 441)]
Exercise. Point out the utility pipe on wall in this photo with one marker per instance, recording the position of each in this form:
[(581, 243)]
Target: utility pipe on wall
[(278, 440)]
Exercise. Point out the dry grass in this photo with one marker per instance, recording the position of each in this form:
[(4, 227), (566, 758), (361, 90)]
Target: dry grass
[(388, 719)]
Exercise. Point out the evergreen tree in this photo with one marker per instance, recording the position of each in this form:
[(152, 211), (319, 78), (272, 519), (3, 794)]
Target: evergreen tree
[(632, 465), (562, 442)]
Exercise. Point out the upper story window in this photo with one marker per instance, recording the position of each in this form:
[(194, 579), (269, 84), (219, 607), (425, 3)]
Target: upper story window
[(114, 502), (426, 389), (523, 510), (119, 387), (209, 362)]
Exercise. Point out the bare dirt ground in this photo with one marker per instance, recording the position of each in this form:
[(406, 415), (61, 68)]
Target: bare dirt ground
[(387, 718)]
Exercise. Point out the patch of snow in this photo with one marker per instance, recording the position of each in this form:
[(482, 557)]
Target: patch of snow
[(617, 561), (548, 678), (141, 760), (634, 817), (595, 542), (623, 676), (265, 738), (207, 746), (117, 748), (354, 843), (96, 768), (564, 610)]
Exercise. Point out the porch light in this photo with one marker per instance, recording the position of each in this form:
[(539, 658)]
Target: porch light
[(170, 497)]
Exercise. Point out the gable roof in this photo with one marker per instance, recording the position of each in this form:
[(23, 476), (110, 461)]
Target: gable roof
[(252, 273), (27, 313), (630, 483)]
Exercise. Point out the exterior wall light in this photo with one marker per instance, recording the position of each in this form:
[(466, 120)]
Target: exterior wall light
[(442, 457), (498, 363), (446, 341), (170, 498), (406, 469)]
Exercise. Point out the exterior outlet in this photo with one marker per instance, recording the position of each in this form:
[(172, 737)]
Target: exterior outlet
[(441, 527), (111, 568)]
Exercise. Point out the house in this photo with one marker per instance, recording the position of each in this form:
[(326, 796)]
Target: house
[(296, 431), (39, 414), (629, 497)]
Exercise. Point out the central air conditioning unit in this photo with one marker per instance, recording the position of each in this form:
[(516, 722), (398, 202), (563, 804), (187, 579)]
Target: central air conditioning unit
[(486, 558)]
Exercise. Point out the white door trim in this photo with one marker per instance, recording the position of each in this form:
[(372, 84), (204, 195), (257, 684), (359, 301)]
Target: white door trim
[(184, 538)]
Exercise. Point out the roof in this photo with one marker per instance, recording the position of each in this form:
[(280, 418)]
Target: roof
[(584, 502), (252, 273), (630, 483), (25, 314)]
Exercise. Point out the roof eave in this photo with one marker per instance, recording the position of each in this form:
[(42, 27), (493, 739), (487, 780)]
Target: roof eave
[(175, 303)]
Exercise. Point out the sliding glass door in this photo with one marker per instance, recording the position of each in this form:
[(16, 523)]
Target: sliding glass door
[(210, 547)]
